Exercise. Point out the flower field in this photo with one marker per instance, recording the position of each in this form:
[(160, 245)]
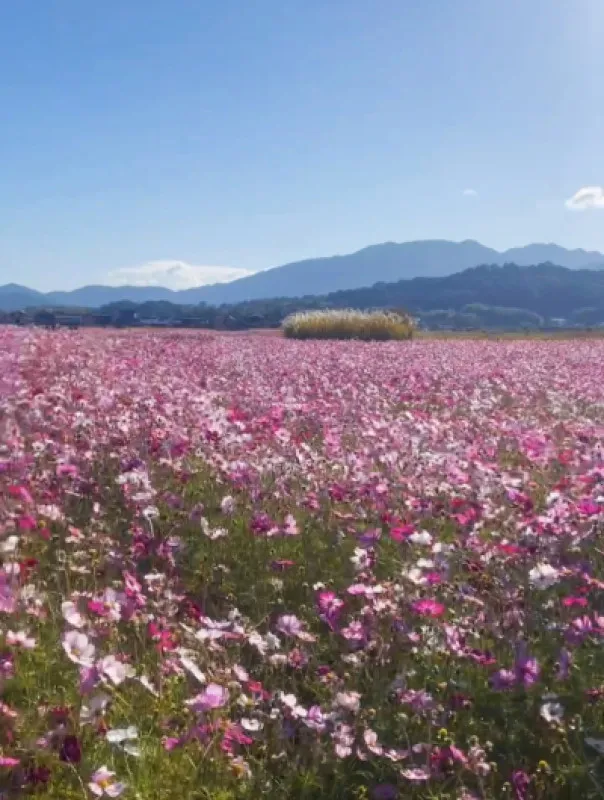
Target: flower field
[(242, 567)]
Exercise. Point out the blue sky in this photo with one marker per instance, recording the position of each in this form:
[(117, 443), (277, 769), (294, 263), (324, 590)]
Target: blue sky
[(155, 141)]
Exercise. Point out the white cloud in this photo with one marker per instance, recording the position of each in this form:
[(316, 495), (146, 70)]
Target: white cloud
[(173, 274), (470, 193), (587, 197)]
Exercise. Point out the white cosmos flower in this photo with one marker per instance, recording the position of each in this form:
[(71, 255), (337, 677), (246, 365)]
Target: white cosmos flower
[(96, 705), (420, 537), (119, 735), (416, 576), (552, 712), (9, 545), (191, 666), (124, 738), (251, 725), (543, 575), (144, 681)]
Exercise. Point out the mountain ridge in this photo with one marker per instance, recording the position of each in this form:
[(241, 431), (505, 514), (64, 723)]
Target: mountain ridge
[(387, 262)]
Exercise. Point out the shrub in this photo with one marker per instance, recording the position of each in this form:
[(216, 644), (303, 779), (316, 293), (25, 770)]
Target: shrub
[(348, 324)]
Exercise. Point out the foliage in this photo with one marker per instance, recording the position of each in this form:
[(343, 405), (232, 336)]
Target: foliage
[(348, 324)]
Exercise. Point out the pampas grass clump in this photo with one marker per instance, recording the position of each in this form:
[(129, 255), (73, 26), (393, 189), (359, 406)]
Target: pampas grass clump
[(348, 324)]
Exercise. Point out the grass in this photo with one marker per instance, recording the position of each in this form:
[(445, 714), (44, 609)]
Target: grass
[(348, 324)]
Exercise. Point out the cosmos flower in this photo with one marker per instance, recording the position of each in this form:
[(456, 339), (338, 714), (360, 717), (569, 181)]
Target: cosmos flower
[(543, 576), (79, 648), (552, 712), (290, 625), (103, 782), (213, 696), (71, 614), (428, 608), (117, 671)]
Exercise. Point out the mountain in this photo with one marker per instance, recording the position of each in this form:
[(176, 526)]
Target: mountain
[(388, 262), (383, 262), (488, 296), (13, 296), (544, 289), (95, 296), (508, 296)]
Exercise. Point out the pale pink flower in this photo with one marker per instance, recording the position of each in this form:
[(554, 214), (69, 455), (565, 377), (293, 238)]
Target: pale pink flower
[(79, 648), (350, 701), (227, 505), (8, 601), (103, 783), (289, 624), (71, 614), (416, 774), (114, 669), (214, 696), (291, 526), (20, 639)]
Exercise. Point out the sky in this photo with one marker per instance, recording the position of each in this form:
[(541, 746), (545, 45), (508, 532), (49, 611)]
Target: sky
[(180, 142)]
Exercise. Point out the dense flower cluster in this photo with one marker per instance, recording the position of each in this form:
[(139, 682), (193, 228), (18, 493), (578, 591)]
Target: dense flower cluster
[(248, 566)]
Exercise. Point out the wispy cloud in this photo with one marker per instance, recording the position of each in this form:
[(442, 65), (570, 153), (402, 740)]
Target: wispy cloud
[(173, 274), (587, 197), (470, 193)]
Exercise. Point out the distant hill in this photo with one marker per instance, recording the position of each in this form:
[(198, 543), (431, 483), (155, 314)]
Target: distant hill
[(385, 262), (389, 262), (508, 296), (548, 290)]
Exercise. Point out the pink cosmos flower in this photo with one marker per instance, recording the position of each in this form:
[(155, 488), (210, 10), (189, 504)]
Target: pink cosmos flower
[(428, 608), (521, 782), (527, 671), (290, 625), (214, 696), (114, 669), (316, 719), (89, 677), (416, 774), (291, 526), (8, 601), (21, 493), (330, 607), (103, 783), (71, 614), (569, 602), (20, 639), (503, 679), (109, 605)]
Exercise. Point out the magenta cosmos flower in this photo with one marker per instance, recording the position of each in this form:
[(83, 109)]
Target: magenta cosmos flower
[(429, 608)]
